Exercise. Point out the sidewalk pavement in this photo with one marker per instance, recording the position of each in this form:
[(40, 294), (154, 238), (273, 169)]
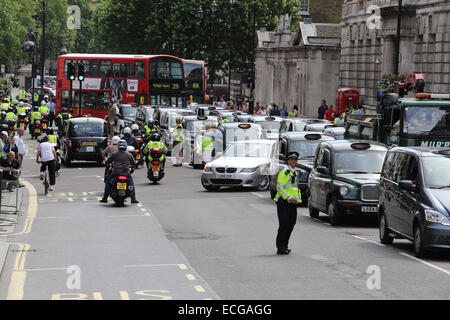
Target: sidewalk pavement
[(4, 246)]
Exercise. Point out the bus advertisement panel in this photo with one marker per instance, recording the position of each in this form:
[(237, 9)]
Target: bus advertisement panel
[(195, 74)]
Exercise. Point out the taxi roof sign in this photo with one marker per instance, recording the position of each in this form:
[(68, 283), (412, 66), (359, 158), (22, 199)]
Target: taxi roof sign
[(245, 125), (445, 152), (360, 145), (313, 136), (270, 118), (202, 118)]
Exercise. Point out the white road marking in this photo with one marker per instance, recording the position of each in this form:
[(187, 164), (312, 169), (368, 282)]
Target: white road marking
[(426, 263), (258, 195), (367, 240)]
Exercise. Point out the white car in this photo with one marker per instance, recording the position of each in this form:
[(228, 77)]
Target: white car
[(243, 164)]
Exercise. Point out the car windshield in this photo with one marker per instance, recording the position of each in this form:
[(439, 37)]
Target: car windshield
[(129, 112), (358, 161), (434, 173), (238, 134), (86, 130), (248, 150), (305, 148), (427, 120), (198, 124), (270, 126)]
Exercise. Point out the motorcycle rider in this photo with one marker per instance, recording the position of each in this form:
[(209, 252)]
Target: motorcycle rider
[(3, 118), (43, 108), (155, 143), (21, 108), (131, 141), (60, 118), (150, 128), (35, 115), (135, 130), (121, 160), (11, 114), (113, 148)]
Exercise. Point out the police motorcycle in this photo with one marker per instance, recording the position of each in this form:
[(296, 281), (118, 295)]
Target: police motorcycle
[(155, 171), (45, 120), (22, 120), (58, 156), (27, 115), (121, 187), (139, 156), (60, 122), (11, 127)]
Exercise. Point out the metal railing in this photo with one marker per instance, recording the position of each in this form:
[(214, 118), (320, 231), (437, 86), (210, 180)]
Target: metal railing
[(10, 195)]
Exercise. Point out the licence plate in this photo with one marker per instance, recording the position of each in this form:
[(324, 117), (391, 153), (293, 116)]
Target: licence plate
[(37, 130), (121, 186), (89, 149), (44, 126), (138, 156), (22, 125), (369, 209), (156, 173), (156, 168), (89, 143), (224, 176)]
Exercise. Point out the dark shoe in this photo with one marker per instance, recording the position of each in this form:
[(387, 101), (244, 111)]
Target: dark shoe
[(289, 250), (104, 201), (134, 201), (282, 251)]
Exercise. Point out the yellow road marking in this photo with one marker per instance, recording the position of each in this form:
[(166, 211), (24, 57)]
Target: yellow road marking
[(182, 266), (97, 295), (147, 214), (190, 277), (143, 209), (199, 288), (124, 295), (45, 269), (156, 265)]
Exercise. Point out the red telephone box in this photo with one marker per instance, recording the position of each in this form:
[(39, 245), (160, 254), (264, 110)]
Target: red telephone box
[(346, 97)]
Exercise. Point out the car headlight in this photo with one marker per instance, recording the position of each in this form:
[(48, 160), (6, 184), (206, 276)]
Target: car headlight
[(249, 170), (436, 217), (207, 169), (344, 191)]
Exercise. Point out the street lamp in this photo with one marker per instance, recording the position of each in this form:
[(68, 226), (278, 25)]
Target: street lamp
[(29, 46), (252, 102), (214, 7), (230, 48)]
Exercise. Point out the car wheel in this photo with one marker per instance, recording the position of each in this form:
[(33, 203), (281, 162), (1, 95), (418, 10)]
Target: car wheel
[(335, 215), (313, 212), (210, 188), (419, 247), (264, 183), (385, 238)]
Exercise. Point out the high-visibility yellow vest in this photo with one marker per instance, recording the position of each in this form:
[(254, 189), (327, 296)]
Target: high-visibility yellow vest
[(207, 143), (177, 133), (287, 186)]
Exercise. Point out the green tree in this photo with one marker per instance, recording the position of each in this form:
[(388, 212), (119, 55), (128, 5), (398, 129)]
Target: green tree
[(172, 27)]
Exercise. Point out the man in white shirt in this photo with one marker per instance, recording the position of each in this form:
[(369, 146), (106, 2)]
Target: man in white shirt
[(20, 145), (222, 102), (47, 154)]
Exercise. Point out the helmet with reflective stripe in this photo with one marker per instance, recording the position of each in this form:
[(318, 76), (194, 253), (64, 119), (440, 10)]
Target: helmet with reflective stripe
[(122, 145), (127, 130), (134, 127)]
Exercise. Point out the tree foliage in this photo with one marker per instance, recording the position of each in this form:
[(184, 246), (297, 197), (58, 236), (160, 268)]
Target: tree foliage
[(173, 27)]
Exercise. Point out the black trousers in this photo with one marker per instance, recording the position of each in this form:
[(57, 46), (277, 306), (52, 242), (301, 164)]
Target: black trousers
[(287, 217), (51, 170)]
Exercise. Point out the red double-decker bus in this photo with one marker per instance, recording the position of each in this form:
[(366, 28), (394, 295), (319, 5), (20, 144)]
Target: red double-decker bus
[(195, 74), (143, 79)]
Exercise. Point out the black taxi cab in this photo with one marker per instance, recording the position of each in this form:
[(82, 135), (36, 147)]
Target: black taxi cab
[(415, 198), (305, 143), (344, 179), (84, 139)]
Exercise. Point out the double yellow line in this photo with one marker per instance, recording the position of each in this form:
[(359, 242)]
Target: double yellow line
[(17, 282)]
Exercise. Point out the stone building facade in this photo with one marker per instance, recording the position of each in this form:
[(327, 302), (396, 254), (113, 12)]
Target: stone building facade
[(300, 68), (367, 52)]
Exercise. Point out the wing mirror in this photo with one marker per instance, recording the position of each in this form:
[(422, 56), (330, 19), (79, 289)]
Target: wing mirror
[(323, 170), (406, 185), (282, 157)]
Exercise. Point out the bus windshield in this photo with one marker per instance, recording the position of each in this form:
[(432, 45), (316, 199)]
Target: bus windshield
[(427, 120)]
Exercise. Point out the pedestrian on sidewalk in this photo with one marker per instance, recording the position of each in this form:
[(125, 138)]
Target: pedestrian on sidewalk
[(20, 145), (321, 111)]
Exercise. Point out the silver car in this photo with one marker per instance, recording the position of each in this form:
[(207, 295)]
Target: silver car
[(273, 125), (243, 164)]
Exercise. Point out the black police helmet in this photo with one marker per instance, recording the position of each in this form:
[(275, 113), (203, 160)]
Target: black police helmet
[(155, 137), (292, 155)]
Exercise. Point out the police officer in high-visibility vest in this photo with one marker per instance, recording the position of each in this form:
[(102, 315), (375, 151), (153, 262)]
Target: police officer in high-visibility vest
[(5, 104), (150, 129), (35, 98), (43, 108), (11, 115), (62, 116), (177, 136), (53, 139), (287, 197), (207, 144), (21, 108), (155, 143), (35, 115), (22, 94)]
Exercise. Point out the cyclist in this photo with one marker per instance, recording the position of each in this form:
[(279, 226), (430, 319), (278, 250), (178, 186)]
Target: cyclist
[(46, 155)]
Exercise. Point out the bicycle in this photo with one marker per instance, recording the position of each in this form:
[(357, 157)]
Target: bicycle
[(45, 182)]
